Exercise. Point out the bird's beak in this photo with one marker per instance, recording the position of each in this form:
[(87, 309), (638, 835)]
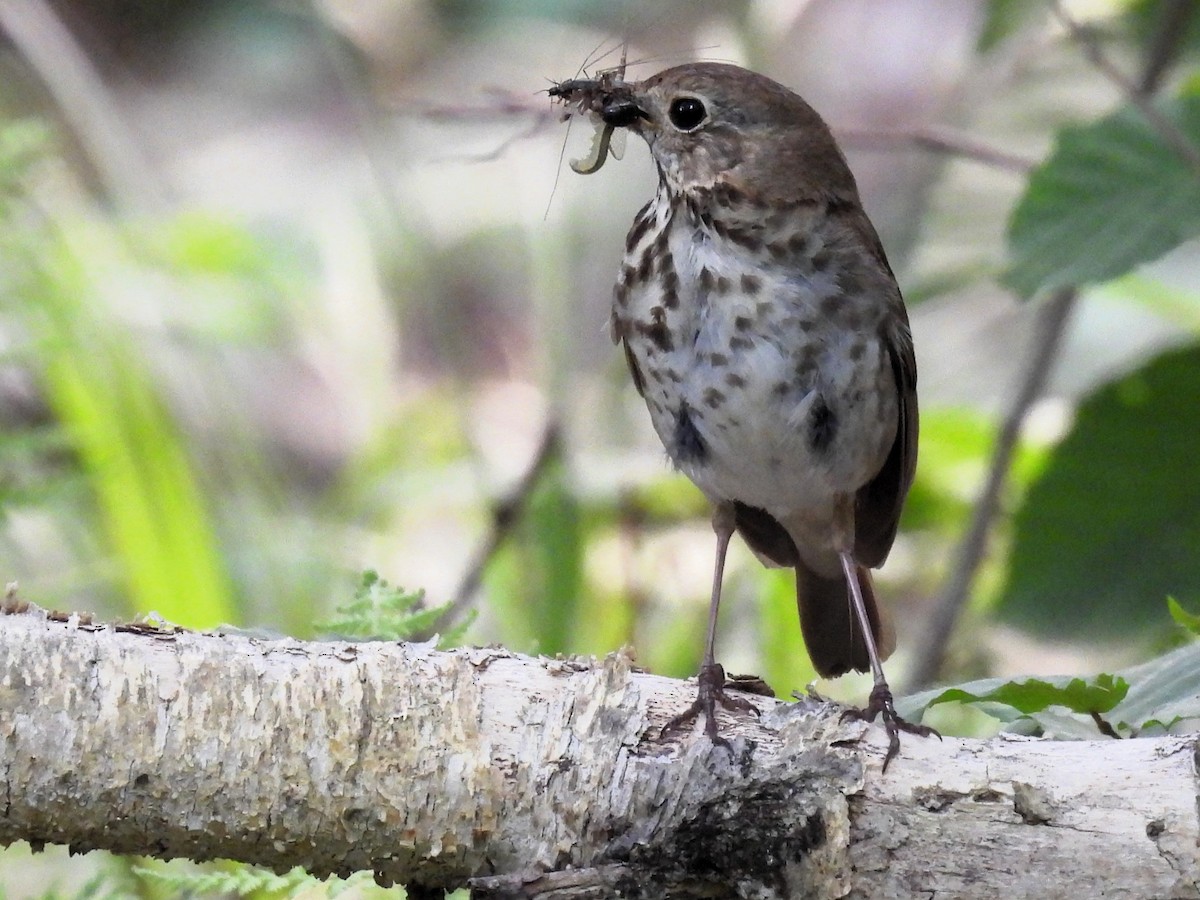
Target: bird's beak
[(621, 110)]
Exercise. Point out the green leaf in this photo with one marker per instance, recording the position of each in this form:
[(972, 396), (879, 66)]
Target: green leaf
[(1162, 695), (786, 665), (1035, 695), (1113, 195), (1188, 620), (381, 612), (1004, 18), (1111, 526)]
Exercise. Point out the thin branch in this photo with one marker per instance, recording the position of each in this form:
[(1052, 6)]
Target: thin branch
[(84, 101), (1168, 40), (939, 140), (505, 516), (934, 139), (936, 631), (1167, 130)]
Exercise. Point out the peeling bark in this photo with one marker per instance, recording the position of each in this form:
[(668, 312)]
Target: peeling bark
[(547, 778)]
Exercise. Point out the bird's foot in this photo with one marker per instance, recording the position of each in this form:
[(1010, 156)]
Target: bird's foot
[(711, 693), (880, 704)]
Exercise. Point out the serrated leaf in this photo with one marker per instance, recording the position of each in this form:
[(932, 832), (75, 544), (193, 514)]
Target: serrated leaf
[(1182, 617), (1111, 525), (1112, 195)]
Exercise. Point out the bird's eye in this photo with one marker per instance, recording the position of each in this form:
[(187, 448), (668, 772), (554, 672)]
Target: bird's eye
[(686, 113)]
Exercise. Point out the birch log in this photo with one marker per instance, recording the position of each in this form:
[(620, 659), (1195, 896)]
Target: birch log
[(528, 777)]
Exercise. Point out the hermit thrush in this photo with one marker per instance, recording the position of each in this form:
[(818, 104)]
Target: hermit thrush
[(764, 328)]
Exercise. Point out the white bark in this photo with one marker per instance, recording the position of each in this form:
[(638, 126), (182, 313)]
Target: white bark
[(538, 777)]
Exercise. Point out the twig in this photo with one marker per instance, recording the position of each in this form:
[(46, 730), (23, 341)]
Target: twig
[(505, 516), (83, 99), (941, 140), (936, 140), (1166, 43), (1132, 89), (935, 634), (505, 105), (946, 608)]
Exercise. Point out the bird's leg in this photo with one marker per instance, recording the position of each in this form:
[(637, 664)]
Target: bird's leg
[(711, 678), (880, 701)]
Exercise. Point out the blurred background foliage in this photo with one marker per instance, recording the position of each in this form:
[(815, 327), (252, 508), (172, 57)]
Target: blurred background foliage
[(289, 290)]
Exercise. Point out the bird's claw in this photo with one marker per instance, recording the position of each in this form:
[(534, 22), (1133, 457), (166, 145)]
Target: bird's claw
[(710, 693), (880, 704)]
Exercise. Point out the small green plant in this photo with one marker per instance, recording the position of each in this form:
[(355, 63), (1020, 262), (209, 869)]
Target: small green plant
[(382, 612)]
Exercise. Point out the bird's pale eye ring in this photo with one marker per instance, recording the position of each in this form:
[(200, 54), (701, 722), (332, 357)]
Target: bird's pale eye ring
[(687, 113)]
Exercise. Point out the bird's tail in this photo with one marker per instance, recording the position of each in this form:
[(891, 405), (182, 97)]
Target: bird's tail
[(831, 632)]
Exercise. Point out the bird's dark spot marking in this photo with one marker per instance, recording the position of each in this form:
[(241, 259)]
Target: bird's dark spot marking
[(627, 273), (806, 367), (706, 279), (670, 279), (839, 205), (830, 304), (670, 297), (778, 250), (742, 323), (662, 239), (821, 260), (751, 284), (734, 380), (733, 195), (857, 351), (745, 237), (822, 425), (797, 243), (686, 443), (674, 375), (666, 262), (737, 342), (850, 283), (718, 359), (723, 285), (656, 330), (713, 397), (640, 226), (620, 294), (782, 389), (646, 266), (762, 307)]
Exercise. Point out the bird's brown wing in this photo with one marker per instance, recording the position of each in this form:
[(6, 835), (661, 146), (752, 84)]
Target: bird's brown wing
[(877, 504)]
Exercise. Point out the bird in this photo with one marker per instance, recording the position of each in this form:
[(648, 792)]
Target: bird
[(765, 330)]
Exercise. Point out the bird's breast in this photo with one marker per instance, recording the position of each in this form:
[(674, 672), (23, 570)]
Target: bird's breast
[(753, 381)]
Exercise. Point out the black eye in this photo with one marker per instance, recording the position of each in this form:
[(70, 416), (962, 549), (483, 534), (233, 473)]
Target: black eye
[(687, 113)]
